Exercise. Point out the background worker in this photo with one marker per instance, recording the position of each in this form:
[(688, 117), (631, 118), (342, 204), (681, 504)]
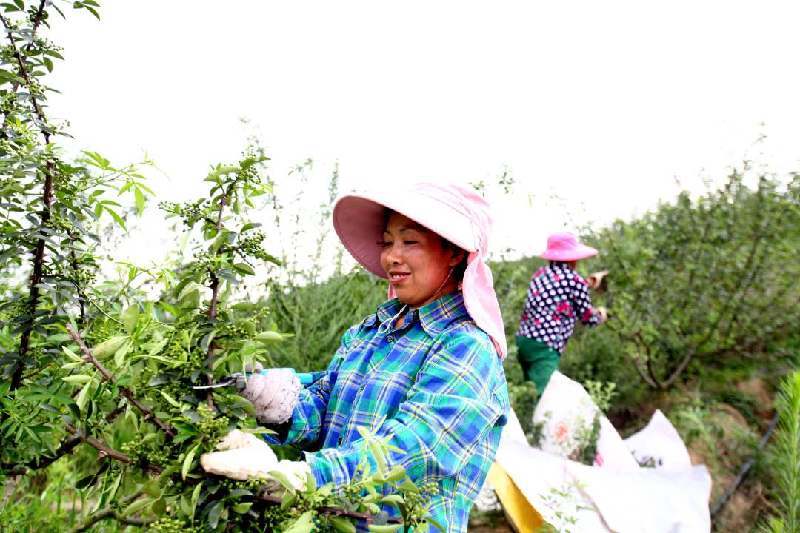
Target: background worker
[(557, 298), (424, 371)]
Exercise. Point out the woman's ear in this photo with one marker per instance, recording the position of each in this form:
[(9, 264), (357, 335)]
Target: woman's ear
[(457, 255)]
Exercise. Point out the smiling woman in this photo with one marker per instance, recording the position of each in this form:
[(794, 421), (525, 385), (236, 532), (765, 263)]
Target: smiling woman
[(420, 265), (424, 372)]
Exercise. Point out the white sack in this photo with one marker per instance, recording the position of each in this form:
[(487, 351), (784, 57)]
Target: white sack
[(660, 444), (566, 412), (617, 496)]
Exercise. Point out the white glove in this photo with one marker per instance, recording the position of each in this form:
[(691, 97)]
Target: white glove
[(274, 394), (245, 456)]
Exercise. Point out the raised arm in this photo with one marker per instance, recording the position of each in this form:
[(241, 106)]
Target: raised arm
[(458, 397), (582, 304)]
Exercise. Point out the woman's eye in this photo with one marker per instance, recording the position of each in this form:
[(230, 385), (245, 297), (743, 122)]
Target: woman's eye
[(384, 244), (410, 242)]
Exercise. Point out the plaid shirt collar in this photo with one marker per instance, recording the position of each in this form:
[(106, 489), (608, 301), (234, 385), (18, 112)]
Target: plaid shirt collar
[(434, 317)]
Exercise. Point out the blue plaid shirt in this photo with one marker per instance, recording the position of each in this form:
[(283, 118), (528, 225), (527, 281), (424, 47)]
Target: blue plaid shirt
[(435, 386)]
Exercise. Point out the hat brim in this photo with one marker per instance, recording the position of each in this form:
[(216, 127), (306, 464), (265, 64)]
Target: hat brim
[(359, 222), (573, 254)]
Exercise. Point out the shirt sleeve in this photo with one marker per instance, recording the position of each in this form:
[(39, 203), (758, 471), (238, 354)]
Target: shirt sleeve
[(312, 404), (582, 303), (458, 397)]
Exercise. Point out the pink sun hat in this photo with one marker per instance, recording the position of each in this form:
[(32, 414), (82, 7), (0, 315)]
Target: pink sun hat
[(452, 211), (564, 246)]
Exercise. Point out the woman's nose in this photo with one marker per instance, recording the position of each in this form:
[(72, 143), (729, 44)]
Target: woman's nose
[(393, 253)]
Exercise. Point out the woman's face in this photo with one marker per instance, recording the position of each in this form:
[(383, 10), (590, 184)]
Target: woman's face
[(417, 262)]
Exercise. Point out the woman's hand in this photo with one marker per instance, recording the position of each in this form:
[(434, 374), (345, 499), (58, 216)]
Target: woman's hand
[(274, 394), (244, 456), (597, 280)]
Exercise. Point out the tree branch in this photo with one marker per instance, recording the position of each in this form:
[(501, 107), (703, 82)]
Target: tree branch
[(326, 510), (113, 513), (212, 306), (679, 370), (37, 20), (106, 451), (125, 391), (64, 448), (47, 201)]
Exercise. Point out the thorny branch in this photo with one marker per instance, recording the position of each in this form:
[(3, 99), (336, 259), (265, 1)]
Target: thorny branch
[(47, 201), (125, 391)]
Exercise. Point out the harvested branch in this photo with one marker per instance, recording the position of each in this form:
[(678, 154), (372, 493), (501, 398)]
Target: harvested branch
[(125, 391)]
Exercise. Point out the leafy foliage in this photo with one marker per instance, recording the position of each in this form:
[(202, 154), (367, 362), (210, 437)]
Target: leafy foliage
[(785, 459), (703, 283), (100, 375)]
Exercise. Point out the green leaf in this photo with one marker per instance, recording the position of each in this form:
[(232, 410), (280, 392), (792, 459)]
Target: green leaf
[(118, 219), (7, 77), (243, 507), (394, 499), (388, 528), (139, 196), (78, 378), (170, 399), (283, 480), (137, 506), (238, 493), (269, 336), (72, 355), (48, 63), (115, 487), (303, 524), (83, 396), (244, 268), (109, 346), (213, 514), (249, 226), (187, 461), (119, 357), (186, 505), (196, 498), (343, 525), (129, 318)]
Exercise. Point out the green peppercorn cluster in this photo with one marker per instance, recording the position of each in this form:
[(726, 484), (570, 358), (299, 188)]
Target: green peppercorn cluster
[(253, 485), (211, 428), (416, 503), (145, 449), (170, 525), (190, 212), (252, 245)]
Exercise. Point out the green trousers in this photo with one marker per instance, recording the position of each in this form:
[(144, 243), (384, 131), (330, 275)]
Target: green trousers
[(538, 361)]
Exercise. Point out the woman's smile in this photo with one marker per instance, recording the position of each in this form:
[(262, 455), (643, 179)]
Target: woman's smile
[(416, 261), (397, 277)]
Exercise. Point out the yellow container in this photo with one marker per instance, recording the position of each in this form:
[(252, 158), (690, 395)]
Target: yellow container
[(523, 517)]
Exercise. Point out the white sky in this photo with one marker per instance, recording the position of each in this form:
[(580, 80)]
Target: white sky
[(602, 104)]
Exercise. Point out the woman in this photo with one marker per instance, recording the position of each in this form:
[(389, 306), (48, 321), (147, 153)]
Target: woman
[(425, 370), (557, 298)]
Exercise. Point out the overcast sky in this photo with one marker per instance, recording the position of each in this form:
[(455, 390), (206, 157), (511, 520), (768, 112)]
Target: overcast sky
[(602, 104)]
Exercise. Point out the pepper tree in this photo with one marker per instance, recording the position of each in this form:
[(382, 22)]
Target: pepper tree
[(97, 391)]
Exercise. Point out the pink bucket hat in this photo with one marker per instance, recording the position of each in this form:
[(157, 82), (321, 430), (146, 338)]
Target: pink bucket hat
[(565, 247), (456, 213)]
